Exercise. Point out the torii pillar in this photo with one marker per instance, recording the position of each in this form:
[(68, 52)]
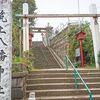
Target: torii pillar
[(95, 33), (25, 28)]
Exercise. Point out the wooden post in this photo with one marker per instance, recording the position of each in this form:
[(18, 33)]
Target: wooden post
[(81, 52), (5, 49)]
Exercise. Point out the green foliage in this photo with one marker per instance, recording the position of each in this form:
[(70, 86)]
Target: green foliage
[(99, 57), (74, 43), (28, 61), (17, 59), (15, 39)]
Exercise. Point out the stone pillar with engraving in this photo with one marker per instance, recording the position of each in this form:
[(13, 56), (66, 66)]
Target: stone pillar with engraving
[(5, 49)]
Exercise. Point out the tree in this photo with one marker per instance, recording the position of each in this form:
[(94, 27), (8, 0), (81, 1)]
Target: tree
[(17, 9)]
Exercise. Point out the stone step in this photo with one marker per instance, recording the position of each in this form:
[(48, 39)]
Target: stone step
[(62, 75), (43, 58), (84, 97), (59, 70), (43, 67), (61, 80), (63, 92), (60, 86), (53, 83), (47, 64)]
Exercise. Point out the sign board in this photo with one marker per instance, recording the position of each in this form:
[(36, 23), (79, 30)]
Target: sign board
[(5, 49), (32, 96), (77, 52)]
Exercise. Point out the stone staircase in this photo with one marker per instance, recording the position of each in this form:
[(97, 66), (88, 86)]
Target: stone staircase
[(43, 59), (58, 84)]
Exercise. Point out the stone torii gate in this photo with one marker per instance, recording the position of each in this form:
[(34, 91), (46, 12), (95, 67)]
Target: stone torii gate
[(43, 31), (94, 25)]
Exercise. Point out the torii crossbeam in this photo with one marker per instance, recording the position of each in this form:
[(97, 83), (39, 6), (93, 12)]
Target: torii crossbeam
[(41, 29), (57, 15)]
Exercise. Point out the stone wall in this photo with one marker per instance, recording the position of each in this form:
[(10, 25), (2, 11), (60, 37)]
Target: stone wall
[(19, 67), (60, 43), (18, 81), (18, 86)]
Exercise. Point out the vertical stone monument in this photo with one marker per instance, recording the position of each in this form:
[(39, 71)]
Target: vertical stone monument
[(5, 49)]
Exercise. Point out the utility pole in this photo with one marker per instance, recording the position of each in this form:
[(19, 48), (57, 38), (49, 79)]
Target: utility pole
[(5, 49)]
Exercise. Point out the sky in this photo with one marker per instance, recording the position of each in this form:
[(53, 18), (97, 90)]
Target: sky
[(61, 7)]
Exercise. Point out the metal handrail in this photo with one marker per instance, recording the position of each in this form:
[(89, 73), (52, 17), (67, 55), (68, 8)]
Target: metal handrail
[(76, 73)]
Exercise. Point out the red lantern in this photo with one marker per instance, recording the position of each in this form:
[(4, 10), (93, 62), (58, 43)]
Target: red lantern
[(80, 35)]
